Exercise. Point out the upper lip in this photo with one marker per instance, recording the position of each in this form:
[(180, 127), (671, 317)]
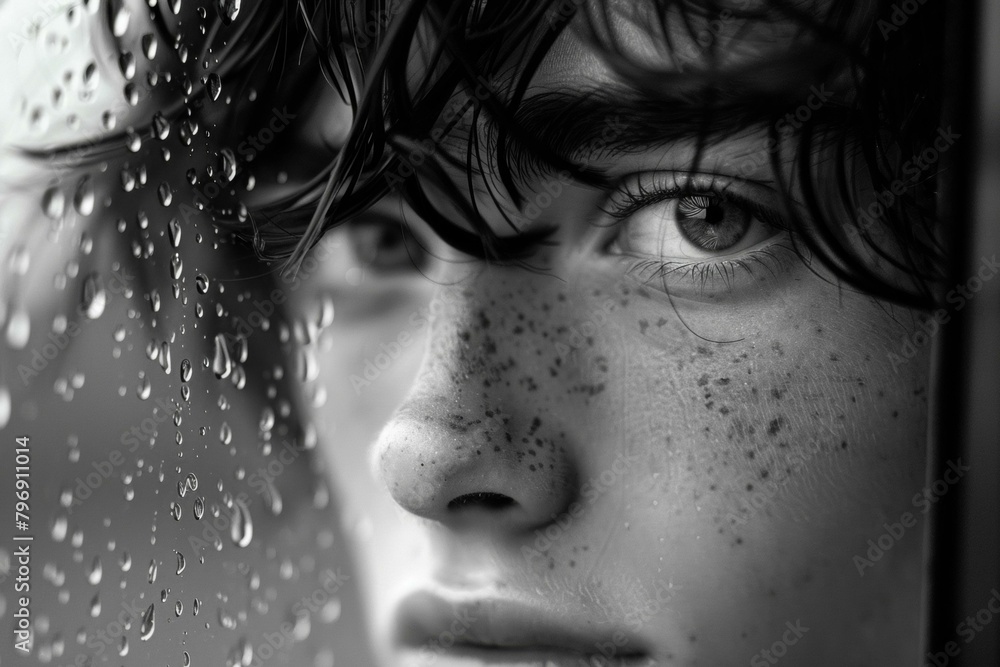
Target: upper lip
[(486, 620)]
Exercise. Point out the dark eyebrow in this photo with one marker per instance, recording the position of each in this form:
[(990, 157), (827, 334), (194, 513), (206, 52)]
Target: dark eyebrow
[(616, 119)]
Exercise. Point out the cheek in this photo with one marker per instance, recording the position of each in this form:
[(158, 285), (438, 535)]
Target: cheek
[(798, 439)]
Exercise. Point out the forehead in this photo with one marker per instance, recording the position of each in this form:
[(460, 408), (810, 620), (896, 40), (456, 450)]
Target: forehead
[(674, 37)]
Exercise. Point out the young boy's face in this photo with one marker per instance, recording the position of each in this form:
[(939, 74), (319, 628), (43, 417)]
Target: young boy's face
[(677, 442)]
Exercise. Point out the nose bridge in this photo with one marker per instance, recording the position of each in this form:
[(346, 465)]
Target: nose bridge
[(478, 426)]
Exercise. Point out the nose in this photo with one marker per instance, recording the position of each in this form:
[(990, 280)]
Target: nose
[(479, 440)]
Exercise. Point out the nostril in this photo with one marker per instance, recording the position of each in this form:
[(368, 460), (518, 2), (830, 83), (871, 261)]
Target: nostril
[(482, 499)]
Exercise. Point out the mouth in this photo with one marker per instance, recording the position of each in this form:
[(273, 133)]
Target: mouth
[(452, 629)]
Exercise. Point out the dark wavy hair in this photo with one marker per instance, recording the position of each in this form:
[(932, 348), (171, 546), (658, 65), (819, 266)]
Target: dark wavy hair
[(884, 62)]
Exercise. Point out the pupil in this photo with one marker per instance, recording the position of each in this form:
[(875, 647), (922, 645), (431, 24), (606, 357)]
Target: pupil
[(708, 224)]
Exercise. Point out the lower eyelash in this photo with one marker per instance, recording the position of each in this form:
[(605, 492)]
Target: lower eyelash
[(768, 258)]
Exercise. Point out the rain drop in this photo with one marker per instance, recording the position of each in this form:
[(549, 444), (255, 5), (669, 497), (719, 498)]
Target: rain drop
[(228, 164), (5, 407), (148, 624), (94, 298), (222, 366), (120, 17), (181, 563), (176, 266), (214, 86), (228, 10), (53, 203), (83, 198), (241, 530), (161, 127), (18, 329), (149, 45), (164, 193), (95, 572)]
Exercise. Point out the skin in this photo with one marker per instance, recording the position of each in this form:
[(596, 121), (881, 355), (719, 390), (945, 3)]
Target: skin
[(668, 552), (747, 441)]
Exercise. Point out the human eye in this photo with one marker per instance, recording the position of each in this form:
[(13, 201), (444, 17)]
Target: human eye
[(697, 233), (383, 245)]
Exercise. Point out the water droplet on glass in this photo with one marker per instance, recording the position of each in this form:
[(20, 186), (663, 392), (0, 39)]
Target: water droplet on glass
[(148, 624), (161, 126), (186, 370), (120, 17), (53, 202), (126, 62), (126, 561), (191, 481), (228, 10), (5, 407), (271, 497), (214, 85), (95, 605), (149, 45), (144, 388), (176, 266), (222, 366), (165, 357), (196, 607), (164, 193), (128, 179), (181, 564), (18, 329), (302, 626), (123, 647), (201, 282), (83, 198), (241, 530), (228, 167), (132, 140), (152, 572), (96, 571), (226, 619), (266, 419), (94, 298), (225, 434), (175, 511), (199, 508), (91, 76), (174, 230)]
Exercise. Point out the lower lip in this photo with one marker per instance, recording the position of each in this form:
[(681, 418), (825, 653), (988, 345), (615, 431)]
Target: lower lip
[(468, 656)]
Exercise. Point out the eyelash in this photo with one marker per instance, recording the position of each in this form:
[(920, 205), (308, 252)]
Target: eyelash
[(628, 202)]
